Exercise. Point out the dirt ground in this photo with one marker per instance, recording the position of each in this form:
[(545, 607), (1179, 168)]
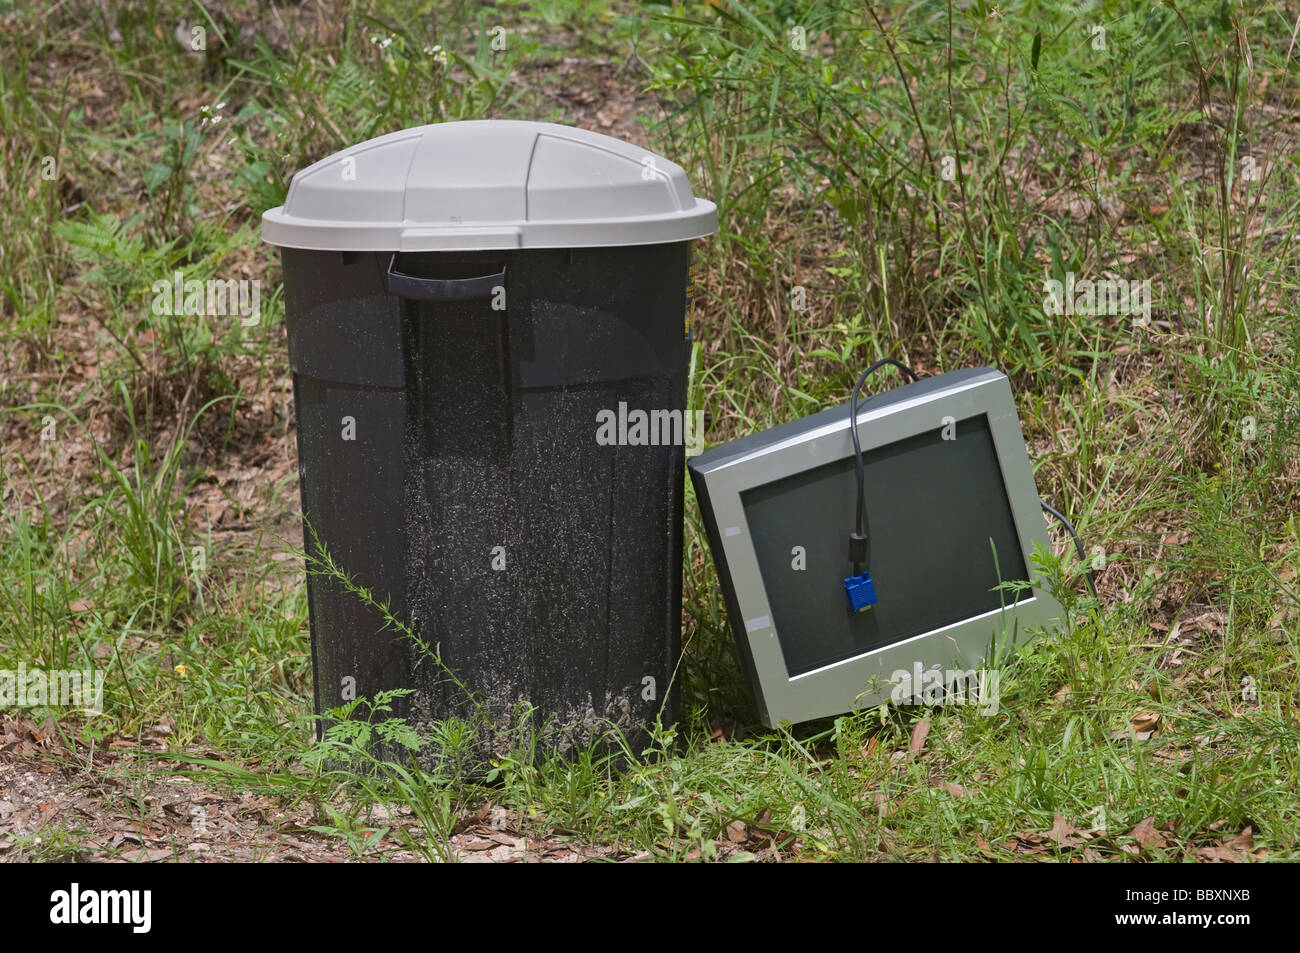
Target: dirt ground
[(118, 805)]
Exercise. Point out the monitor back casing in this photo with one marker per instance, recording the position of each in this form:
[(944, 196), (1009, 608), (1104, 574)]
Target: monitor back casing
[(726, 475)]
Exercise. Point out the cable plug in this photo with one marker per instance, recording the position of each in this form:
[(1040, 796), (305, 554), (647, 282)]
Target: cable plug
[(861, 592)]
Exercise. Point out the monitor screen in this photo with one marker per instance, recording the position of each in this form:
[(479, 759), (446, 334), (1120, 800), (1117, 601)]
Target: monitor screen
[(942, 538)]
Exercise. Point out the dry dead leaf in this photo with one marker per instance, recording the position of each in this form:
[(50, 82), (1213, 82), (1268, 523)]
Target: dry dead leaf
[(506, 840), (1243, 841), (152, 856), (919, 733), (1145, 722), (1146, 834), (1220, 855), (1027, 844), (722, 729), (1063, 833), (1211, 622)]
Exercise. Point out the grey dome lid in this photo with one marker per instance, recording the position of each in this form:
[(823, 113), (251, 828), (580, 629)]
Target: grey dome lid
[(488, 184)]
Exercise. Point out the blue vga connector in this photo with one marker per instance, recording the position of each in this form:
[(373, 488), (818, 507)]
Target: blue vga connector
[(861, 592)]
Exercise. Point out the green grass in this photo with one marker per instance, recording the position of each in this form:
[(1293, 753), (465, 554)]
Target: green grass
[(903, 185)]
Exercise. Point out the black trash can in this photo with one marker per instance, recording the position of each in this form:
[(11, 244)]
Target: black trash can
[(489, 335)]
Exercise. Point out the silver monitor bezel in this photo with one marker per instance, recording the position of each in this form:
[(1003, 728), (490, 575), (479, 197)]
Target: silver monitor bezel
[(864, 680)]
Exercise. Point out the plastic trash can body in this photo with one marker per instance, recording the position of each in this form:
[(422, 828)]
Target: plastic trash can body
[(451, 465)]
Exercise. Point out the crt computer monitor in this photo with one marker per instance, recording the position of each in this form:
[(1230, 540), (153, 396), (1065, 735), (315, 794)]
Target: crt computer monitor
[(953, 515)]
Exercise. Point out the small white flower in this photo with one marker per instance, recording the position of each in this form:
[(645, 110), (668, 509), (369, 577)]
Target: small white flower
[(210, 113)]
